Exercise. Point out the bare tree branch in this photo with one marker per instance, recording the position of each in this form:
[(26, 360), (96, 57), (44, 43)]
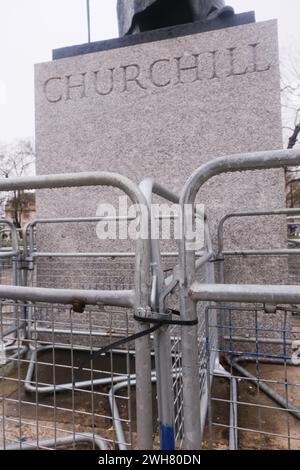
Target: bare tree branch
[(294, 137), (16, 159)]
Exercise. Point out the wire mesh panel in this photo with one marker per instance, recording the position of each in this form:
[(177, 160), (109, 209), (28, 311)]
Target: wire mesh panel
[(205, 275), (8, 268), (255, 397), (56, 392), (294, 244), (176, 354), (10, 252), (68, 265), (294, 268)]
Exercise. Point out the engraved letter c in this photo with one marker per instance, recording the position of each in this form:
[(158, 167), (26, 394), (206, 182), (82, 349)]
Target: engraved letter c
[(152, 69), (46, 89)]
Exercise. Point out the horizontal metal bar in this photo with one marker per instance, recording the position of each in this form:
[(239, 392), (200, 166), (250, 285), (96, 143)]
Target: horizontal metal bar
[(69, 180), (66, 331), (82, 255), (116, 298), (64, 220), (284, 211), (279, 252), (97, 255), (32, 387), (245, 339), (73, 438), (273, 294), (8, 254)]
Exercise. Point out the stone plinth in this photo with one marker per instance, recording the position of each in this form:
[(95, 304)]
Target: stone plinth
[(162, 108)]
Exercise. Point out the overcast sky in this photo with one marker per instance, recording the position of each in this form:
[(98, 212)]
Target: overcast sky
[(30, 29)]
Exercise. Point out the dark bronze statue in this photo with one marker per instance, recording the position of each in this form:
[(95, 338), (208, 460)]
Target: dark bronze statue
[(135, 16)]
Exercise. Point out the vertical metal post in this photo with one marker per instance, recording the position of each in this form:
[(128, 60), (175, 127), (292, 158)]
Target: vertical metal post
[(88, 11), (163, 363), (164, 389), (144, 420), (143, 351), (189, 340)]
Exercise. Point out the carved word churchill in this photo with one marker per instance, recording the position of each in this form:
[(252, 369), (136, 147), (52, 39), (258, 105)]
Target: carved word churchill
[(160, 73)]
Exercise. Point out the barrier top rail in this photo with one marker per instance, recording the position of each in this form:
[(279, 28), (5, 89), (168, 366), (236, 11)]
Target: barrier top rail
[(231, 215), (75, 297), (98, 179), (245, 293), (227, 164), (239, 162)]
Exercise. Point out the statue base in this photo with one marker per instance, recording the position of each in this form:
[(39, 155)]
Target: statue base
[(156, 35), (162, 106)]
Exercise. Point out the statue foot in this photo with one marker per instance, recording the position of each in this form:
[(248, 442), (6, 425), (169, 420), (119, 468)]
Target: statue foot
[(224, 12)]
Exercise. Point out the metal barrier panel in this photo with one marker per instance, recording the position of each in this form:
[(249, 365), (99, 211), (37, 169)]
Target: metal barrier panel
[(64, 265), (227, 164), (56, 396), (283, 263), (257, 405), (177, 385), (52, 327), (92, 271), (137, 298), (10, 274)]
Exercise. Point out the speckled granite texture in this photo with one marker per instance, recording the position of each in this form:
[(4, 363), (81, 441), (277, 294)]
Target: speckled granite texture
[(162, 109)]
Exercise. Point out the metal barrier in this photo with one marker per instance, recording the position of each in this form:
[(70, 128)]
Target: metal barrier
[(190, 370), (289, 258), (111, 392), (137, 298), (11, 274), (51, 335), (57, 392), (221, 253), (266, 400)]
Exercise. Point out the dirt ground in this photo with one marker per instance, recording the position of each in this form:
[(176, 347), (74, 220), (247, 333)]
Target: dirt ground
[(260, 427), (28, 417), (262, 424)]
